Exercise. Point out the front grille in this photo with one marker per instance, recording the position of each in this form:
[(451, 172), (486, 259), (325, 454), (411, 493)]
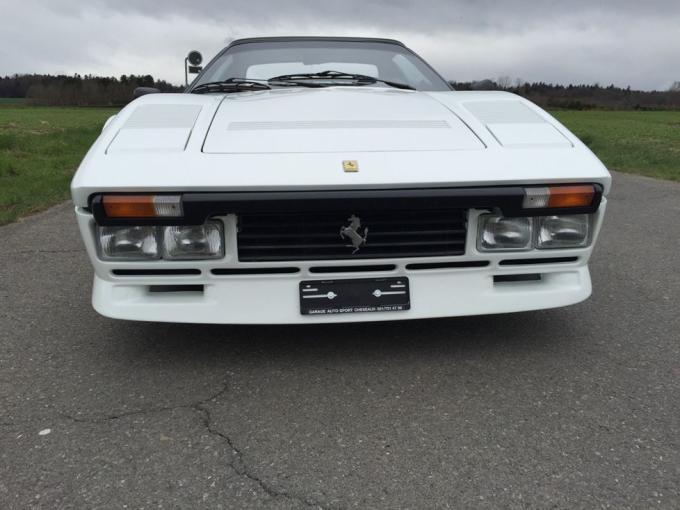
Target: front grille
[(316, 236)]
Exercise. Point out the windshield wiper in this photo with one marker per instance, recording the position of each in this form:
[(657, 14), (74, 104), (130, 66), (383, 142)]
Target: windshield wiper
[(313, 79), (229, 85)]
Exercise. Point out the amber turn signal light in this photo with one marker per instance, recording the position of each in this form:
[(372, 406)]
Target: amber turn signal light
[(559, 197), (142, 206)]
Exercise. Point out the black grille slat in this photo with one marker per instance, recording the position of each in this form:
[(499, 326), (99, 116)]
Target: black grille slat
[(366, 247), (257, 257), (336, 240), (316, 236), (336, 235), (273, 223)]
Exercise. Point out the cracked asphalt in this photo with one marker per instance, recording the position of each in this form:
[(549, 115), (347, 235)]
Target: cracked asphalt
[(569, 408)]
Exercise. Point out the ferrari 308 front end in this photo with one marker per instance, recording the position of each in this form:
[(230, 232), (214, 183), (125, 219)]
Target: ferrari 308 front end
[(330, 195)]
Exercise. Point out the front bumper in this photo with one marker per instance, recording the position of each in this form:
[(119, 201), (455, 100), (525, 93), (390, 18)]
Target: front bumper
[(273, 298)]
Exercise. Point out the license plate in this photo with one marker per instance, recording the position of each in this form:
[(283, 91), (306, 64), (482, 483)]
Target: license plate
[(325, 297)]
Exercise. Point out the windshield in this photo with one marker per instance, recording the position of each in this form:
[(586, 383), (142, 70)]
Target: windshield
[(266, 60)]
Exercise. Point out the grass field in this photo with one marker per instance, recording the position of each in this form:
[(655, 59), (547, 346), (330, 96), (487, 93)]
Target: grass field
[(645, 143), (40, 148)]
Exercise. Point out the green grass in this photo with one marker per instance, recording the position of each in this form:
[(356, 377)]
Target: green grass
[(645, 143), (12, 100), (40, 148)]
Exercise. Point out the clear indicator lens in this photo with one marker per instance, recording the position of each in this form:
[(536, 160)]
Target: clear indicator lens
[(168, 205), (500, 233), (564, 231), (536, 198), (128, 243), (194, 241)]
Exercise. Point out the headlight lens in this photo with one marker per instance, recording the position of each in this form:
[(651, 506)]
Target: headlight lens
[(497, 233), (194, 242), (564, 231), (500, 233), (128, 243)]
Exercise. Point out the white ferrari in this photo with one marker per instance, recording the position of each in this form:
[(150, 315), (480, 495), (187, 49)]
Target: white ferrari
[(319, 180)]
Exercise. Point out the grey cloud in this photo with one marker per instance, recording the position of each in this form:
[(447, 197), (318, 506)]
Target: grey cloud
[(403, 15), (623, 41)]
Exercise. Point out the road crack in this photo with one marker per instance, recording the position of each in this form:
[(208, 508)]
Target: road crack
[(141, 412), (237, 464)]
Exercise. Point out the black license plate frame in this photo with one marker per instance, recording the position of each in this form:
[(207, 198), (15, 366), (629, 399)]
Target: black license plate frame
[(356, 295)]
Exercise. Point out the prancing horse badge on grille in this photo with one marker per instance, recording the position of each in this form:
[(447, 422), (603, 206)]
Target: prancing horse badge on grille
[(354, 233)]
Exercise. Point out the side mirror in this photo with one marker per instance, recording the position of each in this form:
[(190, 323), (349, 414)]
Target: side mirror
[(195, 58), (192, 65), (142, 91)]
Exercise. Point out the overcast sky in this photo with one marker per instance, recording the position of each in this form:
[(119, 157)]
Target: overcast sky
[(625, 42)]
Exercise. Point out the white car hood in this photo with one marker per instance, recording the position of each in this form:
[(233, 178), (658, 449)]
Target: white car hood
[(298, 139), (337, 119)]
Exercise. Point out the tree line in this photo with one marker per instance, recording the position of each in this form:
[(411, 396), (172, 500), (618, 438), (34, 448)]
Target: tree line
[(78, 90), (582, 97), (88, 90)]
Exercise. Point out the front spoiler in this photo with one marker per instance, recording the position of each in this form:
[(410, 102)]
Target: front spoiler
[(274, 300)]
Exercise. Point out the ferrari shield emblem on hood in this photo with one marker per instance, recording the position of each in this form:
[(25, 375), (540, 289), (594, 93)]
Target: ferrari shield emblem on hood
[(350, 165)]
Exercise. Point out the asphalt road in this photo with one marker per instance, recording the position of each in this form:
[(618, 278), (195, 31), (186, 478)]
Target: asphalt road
[(569, 408)]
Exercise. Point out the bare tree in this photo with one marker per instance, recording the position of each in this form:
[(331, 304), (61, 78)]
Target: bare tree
[(504, 82)]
